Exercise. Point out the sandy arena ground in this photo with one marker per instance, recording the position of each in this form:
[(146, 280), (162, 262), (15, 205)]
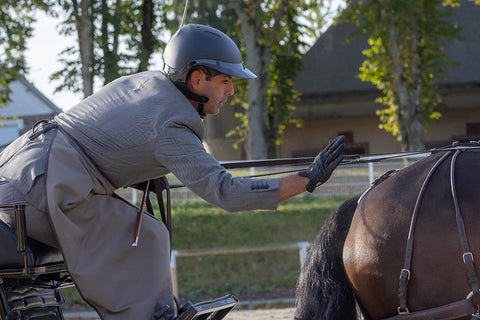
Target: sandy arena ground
[(268, 314)]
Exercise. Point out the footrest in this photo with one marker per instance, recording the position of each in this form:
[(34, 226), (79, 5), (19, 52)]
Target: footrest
[(215, 309)]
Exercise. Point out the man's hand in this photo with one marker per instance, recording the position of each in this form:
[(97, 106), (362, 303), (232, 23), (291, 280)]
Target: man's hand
[(322, 167)]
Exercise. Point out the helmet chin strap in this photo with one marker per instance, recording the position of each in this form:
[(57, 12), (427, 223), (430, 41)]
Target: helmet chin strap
[(200, 110), (196, 97)]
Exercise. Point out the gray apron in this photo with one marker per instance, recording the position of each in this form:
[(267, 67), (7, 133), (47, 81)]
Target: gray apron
[(95, 232)]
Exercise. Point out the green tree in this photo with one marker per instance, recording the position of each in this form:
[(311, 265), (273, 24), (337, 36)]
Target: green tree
[(16, 20), (456, 3), (115, 38), (271, 30), (405, 59), (267, 32)]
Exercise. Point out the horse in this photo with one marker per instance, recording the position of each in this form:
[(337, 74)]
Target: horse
[(404, 249)]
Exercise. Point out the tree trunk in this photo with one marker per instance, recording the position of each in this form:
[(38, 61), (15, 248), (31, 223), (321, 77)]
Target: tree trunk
[(256, 146), (258, 60), (146, 47), (110, 55), (259, 143), (409, 112), (85, 42)]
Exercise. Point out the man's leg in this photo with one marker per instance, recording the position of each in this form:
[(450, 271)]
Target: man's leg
[(95, 233)]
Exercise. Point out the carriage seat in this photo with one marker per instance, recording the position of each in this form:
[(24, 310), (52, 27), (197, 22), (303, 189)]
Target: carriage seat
[(39, 257)]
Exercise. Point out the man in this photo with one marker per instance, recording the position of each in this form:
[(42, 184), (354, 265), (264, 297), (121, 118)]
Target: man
[(137, 128)]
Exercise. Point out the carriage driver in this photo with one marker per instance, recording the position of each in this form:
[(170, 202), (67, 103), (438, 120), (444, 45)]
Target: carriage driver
[(136, 128)]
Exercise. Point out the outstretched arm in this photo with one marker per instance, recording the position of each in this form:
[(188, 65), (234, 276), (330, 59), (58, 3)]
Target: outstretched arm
[(290, 186)]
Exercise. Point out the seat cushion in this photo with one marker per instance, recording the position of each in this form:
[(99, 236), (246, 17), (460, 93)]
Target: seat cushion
[(38, 254)]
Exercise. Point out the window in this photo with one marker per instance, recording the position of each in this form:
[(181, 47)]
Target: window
[(348, 136), (473, 130)]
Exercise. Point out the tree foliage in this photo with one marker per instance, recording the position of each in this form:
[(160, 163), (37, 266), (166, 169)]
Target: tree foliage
[(405, 59), (123, 35), (268, 33), (456, 3), (117, 37), (271, 32), (16, 20)]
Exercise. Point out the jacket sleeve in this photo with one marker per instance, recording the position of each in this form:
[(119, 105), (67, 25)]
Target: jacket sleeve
[(183, 154)]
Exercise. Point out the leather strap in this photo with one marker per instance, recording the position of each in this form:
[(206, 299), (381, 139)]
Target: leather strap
[(21, 230), (453, 310), (467, 254), (458, 309), (165, 211), (406, 272), (157, 186)]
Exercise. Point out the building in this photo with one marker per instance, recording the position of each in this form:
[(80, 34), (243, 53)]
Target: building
[(335, 101), (27, 106)]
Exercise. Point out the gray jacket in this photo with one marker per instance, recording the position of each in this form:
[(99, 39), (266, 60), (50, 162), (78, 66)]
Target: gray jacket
[(140, 127)]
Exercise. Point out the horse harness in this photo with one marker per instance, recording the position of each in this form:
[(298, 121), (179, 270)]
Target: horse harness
[(466, 307)]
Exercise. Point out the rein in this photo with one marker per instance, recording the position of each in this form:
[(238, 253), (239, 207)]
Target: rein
[(347, 160), (456, 309)]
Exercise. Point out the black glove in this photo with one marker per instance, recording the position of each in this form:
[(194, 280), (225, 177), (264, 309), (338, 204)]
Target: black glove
[(322, 167)]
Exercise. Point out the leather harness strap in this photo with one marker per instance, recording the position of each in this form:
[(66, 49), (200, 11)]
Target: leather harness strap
[(467, 254), (405, 272), (157, 186), (456, 309)]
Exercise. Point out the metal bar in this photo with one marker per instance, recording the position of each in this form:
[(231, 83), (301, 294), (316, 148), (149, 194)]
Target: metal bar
[(347, 159), (184, 14), (265, 162)]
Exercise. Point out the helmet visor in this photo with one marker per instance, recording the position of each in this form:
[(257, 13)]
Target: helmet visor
[(234, 69)]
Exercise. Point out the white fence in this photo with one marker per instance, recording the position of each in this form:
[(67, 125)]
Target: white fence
[(302, 248)]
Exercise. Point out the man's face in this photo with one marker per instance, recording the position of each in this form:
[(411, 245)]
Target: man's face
[(217, 89)]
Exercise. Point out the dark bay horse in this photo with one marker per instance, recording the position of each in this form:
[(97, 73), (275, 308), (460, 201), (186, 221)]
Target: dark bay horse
[(355, 263)]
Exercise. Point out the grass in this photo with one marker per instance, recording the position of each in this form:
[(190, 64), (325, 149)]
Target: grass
[(198, 225)]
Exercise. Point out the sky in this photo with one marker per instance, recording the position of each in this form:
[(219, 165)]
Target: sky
[(43, 50)]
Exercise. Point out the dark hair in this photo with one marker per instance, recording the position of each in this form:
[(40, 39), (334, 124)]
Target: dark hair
[(209, 72)]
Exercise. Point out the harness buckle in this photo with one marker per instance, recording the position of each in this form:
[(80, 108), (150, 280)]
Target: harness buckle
[(465, 255), (402, 272), (401, 310)]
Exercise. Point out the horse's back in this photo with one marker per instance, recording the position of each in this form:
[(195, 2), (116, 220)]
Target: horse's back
[(374, 251)]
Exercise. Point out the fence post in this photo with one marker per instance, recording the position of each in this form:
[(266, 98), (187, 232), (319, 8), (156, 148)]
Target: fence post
[(134, 196), (303, 251), (173, 271), (370, 173)]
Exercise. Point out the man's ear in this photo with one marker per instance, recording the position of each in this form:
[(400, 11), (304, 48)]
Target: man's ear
[(195, 79)]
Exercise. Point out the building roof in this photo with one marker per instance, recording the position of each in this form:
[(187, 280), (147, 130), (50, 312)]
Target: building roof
[(332, 64), (26, 100)]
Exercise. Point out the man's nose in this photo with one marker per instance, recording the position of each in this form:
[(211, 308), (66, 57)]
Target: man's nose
[(230, 90)]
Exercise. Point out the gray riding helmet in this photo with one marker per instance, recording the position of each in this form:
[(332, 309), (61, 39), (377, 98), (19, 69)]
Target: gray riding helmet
[(196, 44)]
